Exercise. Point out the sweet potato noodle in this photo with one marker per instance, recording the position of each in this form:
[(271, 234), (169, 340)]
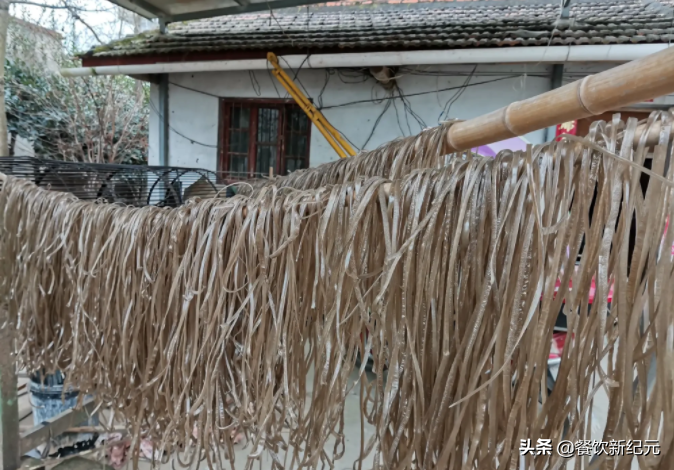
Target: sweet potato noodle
[(392, 160), (195, 321)]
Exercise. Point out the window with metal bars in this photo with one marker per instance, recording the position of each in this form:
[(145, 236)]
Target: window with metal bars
[(259, 136)]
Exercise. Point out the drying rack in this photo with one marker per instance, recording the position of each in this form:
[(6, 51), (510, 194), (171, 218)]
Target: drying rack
[(630, 83)]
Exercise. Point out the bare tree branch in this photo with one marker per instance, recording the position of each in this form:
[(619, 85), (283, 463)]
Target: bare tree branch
[(75, 14), (58, 7)]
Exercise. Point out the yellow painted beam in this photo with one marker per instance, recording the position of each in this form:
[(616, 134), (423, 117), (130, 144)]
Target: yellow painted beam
[(331, 134)]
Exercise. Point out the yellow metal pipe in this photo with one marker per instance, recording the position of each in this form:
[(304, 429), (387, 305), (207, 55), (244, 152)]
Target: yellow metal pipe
[(335, 139), (305, 105), (298, 96), (337, 135), (309, 112)]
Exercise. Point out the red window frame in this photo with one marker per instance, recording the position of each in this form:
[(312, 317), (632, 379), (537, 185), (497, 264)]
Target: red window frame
[(254, 105)]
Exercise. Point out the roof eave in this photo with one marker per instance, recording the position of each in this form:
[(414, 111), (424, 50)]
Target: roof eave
[(140, 59)]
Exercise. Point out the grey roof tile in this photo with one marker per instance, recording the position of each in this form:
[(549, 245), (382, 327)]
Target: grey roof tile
[(483, 24)]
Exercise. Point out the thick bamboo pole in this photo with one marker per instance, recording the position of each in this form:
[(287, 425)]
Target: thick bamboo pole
[(630, 83)]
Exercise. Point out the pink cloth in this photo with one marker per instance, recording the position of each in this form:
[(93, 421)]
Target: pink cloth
[(514, 144)]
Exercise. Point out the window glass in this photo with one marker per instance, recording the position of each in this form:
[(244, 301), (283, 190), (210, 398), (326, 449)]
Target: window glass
[(262, 135)]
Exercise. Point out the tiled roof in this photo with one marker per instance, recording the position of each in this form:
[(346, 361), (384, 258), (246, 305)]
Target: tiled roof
[(352, 3), (442, 26)]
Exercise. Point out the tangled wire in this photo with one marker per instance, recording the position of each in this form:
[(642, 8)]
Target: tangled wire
[(210, 316)]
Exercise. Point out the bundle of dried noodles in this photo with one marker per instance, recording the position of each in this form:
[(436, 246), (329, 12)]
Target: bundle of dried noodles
[(211, 315), (392, 160)]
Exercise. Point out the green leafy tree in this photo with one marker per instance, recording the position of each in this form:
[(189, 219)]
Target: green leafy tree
[(90, 119), (111, 127)]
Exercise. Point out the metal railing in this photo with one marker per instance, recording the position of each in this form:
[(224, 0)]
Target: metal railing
[(137, 185)]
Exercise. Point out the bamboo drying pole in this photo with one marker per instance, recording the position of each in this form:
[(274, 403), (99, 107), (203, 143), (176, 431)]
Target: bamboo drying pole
[(630, 83)]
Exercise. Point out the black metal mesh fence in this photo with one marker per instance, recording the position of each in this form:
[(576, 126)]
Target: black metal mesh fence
[(136, 185)]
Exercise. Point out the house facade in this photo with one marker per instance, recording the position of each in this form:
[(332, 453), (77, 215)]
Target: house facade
[(35, 45), (377, 71)]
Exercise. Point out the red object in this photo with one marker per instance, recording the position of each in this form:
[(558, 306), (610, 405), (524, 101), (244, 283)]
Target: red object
[(570, 127), (593, 290), (557, 347), (665, 234), (593, 286)]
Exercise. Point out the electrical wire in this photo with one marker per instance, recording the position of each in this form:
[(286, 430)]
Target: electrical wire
[(402, 131), (389, 99), (193, 141), (296, 73), (300, 67), (273, 80), (407, 106), (376, 123), (376, 100), (442, 73), (359, 75), (373, 94), (457, 95), (220, 97), (350, 103), (319, 98), (195, 90), (308, 95), (254, 83)]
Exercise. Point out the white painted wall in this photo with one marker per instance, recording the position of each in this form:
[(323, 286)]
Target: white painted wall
[(153, 138), (195, 115)]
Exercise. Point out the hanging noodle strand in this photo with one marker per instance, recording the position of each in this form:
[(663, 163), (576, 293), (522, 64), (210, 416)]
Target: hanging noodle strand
[(247, 314)]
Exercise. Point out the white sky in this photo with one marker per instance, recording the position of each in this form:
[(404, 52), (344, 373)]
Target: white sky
[(108, 20)]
